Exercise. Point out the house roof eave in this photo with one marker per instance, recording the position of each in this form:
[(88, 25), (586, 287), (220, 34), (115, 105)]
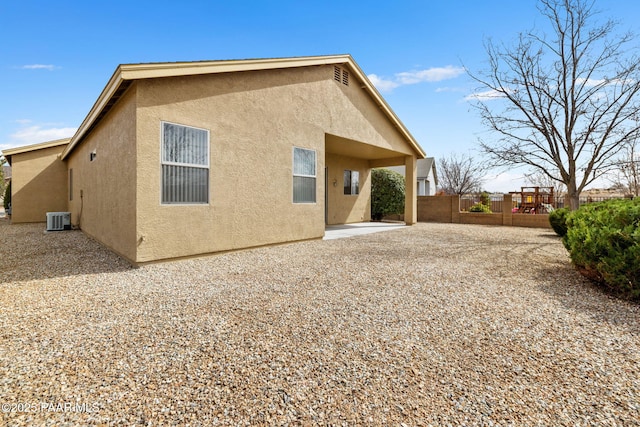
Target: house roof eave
[(377, 97), (125, 74), (10, 152)]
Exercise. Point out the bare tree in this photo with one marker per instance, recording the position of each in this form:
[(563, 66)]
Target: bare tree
[(460, 174), (627, 176), (538, 179), (564, 104)]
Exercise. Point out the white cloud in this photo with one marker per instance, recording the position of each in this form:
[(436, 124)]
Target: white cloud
[(434, 74), (504, 182), (48, 67), (484, 96), (450, 89), (23, 121), (382, 84), (593, 82), (36, 134)]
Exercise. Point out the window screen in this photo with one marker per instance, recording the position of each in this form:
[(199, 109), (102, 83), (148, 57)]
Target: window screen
[(185, 165), (304, 175)]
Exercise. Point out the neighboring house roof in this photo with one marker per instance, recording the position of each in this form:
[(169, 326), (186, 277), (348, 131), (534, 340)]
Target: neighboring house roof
[(25, 149), (6, 172), (125, 74), (424, 166)]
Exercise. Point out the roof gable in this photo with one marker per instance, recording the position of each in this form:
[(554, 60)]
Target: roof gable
[(125, 74), (8, 153)]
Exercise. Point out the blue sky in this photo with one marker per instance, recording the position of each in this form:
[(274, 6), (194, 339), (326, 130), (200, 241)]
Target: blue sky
[(56, 57)]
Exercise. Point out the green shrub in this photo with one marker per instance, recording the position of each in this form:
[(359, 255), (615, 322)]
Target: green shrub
[(387, 193), (7, 196), (603, 240), (485, 199), (480, 207), (558, 221)]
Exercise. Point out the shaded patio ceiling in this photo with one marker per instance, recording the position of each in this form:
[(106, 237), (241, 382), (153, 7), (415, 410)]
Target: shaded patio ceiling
[(351, 148)]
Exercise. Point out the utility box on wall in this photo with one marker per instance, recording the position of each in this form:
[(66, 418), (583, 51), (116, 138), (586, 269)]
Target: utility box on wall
[(57, 221)]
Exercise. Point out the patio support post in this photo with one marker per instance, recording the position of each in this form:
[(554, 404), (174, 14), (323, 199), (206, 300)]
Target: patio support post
[(411, 184)]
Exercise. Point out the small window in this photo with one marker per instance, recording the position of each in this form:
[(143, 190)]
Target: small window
[(185, 164), (304, 175), (351, 182)]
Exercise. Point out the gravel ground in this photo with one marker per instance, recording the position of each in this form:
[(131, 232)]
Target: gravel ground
[(435, 324)]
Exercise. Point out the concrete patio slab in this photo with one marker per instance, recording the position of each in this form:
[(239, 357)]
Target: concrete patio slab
[(349, 230)]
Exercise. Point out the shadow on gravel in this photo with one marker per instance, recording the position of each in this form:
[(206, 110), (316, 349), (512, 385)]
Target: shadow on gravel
[(27, 252), (553, 236), (588, 298)]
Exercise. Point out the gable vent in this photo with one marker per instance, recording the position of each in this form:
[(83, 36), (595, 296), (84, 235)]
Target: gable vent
[(341, 75)]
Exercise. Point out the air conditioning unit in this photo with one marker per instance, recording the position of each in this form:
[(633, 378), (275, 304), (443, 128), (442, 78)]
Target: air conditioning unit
[(58, 221)]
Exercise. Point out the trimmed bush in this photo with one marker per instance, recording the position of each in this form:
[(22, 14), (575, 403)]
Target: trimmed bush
[(558, 221), (480, 207), (387, 193), (603, 240)]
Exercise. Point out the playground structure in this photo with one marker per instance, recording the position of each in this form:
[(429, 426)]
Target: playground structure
[(535, 200)]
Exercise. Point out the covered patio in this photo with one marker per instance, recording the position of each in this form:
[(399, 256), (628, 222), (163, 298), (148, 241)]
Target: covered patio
[(342, 156)]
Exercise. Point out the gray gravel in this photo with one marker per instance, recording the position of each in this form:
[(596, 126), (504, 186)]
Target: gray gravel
[(435, 324)]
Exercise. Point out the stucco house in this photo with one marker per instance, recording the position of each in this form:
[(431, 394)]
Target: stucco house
[(188, 158), (426, 176), (38, 180)]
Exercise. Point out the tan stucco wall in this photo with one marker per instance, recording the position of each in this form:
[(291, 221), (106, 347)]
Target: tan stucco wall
[(38, 184), (104, 190), (345, 209), (255, 119)]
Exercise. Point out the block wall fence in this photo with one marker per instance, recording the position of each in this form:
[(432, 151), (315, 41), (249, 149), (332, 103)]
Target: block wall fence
[(447, 209)]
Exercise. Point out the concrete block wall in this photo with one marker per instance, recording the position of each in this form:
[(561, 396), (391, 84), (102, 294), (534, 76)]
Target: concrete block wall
[(447, 209)]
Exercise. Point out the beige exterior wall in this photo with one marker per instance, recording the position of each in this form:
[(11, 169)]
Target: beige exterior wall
[(347, 208), (38, 184), (255, 118), (104, 190)]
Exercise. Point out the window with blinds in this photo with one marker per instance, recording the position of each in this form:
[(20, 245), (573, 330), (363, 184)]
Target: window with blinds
[(304, 175), (185, 164)]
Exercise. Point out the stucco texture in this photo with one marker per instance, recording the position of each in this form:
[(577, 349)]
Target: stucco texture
[(347, 208), (103, 202), (38, 184), (255, 119)]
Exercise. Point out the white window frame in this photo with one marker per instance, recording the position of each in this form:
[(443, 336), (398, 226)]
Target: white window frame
[(294, 174), (191, 165)]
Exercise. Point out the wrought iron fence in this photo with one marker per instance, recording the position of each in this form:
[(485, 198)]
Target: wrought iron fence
[(496, 201), (468, 200)]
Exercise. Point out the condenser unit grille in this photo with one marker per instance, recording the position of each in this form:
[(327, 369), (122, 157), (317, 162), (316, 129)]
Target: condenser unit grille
[(57, 221)]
